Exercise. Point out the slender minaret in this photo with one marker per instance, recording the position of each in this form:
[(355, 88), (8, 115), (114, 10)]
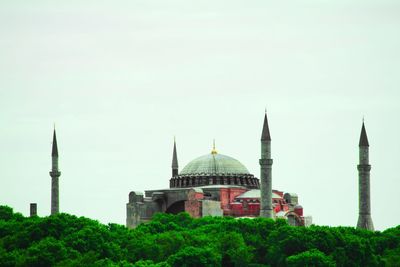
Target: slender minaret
[(364, 196), (174, 161), (55, 174), (266, 172)]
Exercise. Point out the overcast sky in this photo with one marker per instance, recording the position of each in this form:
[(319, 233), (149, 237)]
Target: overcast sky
[(121, 78)]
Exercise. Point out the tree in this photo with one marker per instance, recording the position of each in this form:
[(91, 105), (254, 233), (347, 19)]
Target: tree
[(179, 240), (47, 252), (234, 250), (310, 258), (6, 213), (195, 257)]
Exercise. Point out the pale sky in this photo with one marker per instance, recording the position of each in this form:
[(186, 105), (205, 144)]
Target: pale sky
[(121, 78)]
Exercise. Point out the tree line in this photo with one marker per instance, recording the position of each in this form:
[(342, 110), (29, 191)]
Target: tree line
[(179, 240)]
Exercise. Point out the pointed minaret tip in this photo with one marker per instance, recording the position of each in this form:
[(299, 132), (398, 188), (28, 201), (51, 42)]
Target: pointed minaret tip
[(174, 156), (54, 150), (265, 136), (363, 136)]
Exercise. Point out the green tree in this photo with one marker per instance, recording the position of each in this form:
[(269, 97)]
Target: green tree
[(234, 250), (391, 257), (47, 252), (6, 213), (195, 257), (150, 263), (311, 258)]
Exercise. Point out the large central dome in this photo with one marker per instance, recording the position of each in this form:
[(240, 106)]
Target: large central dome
[(213, 170), (214, 163)]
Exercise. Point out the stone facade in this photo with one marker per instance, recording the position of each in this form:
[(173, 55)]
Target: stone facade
[(220, 200), (211, 208), (141, 209)]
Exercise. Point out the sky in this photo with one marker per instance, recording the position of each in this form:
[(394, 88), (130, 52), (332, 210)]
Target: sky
[(120, 79)]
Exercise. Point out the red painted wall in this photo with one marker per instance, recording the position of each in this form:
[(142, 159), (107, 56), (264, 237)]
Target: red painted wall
[(248, 207), (193, 204), (227, 196)]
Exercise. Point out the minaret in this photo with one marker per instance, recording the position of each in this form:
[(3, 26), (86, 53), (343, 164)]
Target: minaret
[(174, 161), (364, 197), (55, 174), (266, 172)]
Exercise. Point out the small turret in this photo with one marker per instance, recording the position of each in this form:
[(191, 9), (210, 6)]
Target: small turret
[(33, 209)]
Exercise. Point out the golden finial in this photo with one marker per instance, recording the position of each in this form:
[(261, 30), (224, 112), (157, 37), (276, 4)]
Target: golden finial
[(214, 151)]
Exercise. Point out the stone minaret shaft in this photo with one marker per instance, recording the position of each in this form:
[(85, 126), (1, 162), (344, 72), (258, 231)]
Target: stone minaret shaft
[(266, 172), (55, 174), (174, 162), (364, 196)]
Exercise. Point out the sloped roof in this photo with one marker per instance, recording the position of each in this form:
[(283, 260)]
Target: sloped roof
[(255, 193)]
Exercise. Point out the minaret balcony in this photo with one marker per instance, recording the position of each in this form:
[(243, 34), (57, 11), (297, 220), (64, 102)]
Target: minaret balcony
[(55, 173), (364, 167), (265, 161)]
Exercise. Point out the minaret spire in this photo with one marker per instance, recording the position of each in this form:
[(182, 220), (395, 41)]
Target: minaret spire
[(54, 149), (55, 174), (266, 172), (363, 136), (364, 190), (174, 161), (265, 136)]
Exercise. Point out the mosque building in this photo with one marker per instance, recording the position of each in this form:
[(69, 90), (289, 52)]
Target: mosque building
[(218, 185)]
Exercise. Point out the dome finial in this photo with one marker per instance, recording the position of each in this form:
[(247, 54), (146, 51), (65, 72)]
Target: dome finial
[(214, 151)]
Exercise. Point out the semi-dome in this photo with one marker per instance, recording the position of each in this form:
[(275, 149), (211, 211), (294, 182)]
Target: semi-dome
[(214, 163)]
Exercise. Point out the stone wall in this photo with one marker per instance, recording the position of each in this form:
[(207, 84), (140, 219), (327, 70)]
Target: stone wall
[(211, 208)]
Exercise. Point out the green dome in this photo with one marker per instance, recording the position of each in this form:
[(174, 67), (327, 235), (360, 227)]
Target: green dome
[(214, 164)]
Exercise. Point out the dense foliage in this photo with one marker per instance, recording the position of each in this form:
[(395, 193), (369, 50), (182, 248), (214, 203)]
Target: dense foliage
[(179, 240)]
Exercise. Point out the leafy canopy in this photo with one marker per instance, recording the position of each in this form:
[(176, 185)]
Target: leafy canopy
[(179, 240)]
